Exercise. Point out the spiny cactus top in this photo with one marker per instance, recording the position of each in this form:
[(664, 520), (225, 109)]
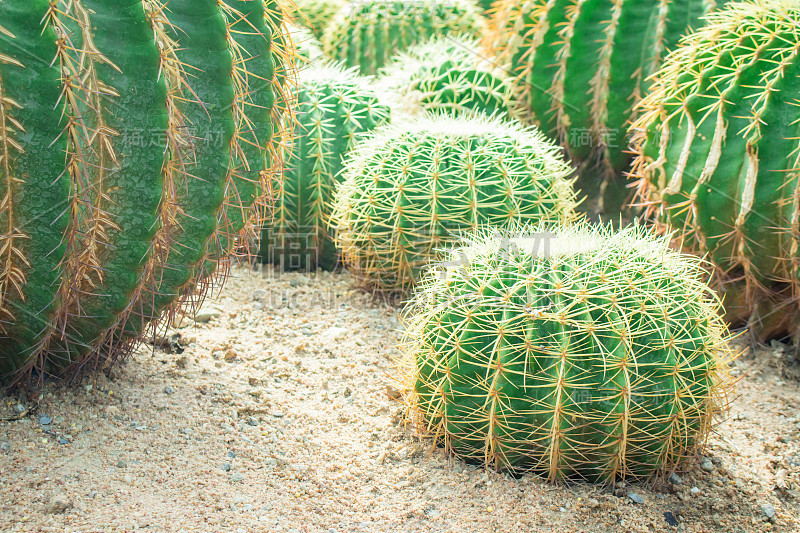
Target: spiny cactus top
[(313, 14), (366, 33), (410, 189), (718, 147), (123, 171), (447, 74), (580, 68), (567, 351), (333, 107)]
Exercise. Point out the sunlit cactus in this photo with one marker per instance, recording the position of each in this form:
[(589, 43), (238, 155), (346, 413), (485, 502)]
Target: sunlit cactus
[(718, 157), (580, 67), (571, 352), (447, 74), (127, 177), (313, 14), (308, 47), (334, 106), (410, 189), (367, 33)]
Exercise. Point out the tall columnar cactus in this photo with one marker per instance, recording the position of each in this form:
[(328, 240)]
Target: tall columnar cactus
[(409, 191), (580, 68), (334, 106), (366, 33), (313, 14), (567, 351), (447, 74), (118, 162), (718, 156)]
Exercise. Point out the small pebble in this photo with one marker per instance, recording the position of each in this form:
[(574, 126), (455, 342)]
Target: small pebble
[(635, 498), (670, 518), (45, 420), (593, 503), (252, 421), (122, 464), (768, 511), (236, 477), (62, 440), (675, 479), (58, 504), (168, 390), (226, 467), (19, 408), (4, 447), (707, 465), (695, 491), (231, 454)]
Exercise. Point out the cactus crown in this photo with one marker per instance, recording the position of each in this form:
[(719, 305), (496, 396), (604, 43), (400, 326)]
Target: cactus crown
[(567, 351), (367, 33), (409, 189), (447, 74), (718, 152)]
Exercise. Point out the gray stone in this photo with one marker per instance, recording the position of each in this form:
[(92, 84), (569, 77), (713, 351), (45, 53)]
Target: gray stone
[(226, 467), (695, 491), (236, 477), (768, 511), (19, 408), (675, 479), (707, 465), (122, 463), (593, 503), (635, 498), (4, 447), (58, 504), (207, 313), (45, 420), (168, 390)]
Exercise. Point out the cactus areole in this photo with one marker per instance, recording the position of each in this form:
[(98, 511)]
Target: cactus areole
[(572, 352), (718, 157)]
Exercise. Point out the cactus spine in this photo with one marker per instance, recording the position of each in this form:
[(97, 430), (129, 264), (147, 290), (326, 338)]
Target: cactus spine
[(367, 33), (447, 74), (333, 107), (313, 14), (580, 68), (567, 351), (409, 190), (718, 156), (98, 245)]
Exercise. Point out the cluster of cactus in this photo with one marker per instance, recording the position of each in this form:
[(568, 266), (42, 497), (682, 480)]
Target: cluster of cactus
[(312, 14), (580, 69), (367, 33), (718, 156), (333, 106), (447, 74), (572, 352), (127, 178), (410, 190)]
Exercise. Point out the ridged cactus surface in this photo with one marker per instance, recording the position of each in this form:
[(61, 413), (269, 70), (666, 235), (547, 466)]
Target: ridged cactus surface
[(410, 189), (367, 33), (334, 106), (580, 68), (118, 162), (571, 352), (447, 74), (718, 156)]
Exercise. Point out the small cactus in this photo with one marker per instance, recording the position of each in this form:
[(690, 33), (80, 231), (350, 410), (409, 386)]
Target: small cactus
[(366, 33), (571, 352), (333, 107), (409, 190), (447, 74), (718, 157), (580, 67)]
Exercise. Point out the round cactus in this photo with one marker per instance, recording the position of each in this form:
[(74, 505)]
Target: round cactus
[(409, 190), (447, 74), (580, 68), (333, 107), (121, 167), (567, 351), (366, 33), (313, 14), (718, 156)]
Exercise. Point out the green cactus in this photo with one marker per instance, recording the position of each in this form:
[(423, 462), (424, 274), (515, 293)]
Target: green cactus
[(115, 158), (718, 157), (580, 67), (567, 351), (447, 74), (313, 14), (333, 107), (309, 49), (366, 33), (409, 190)]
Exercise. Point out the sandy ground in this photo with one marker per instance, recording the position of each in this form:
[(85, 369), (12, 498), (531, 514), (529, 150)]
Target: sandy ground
[(276, 417)]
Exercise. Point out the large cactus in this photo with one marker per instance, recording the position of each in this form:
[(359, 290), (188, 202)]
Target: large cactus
[(410, 189), (718, 156), (447, 74), (366, 33), (580, 68), (333, 107), (155, 122), (567, 351)]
